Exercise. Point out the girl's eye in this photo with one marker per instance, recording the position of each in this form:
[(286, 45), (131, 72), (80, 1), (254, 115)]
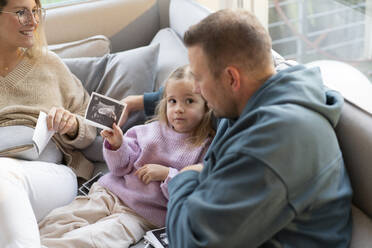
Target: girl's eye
[(189, 101), (171, 100)]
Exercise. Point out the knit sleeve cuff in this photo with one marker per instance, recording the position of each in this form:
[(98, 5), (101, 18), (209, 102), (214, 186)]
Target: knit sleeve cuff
[(86, 135), (116, 160), (164, 185)]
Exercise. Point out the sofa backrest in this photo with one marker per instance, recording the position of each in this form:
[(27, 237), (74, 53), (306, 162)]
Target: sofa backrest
[(127, 23), (354, 132), (184, 13)]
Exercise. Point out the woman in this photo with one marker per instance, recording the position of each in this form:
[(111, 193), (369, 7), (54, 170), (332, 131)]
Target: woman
[(33, 79)]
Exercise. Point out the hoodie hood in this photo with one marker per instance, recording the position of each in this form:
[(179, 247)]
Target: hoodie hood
[(301, 86)]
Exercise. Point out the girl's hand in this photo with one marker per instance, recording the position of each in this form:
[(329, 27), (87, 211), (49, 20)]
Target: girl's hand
[(152, 172), (62, 121), (134, 103), (115, 137)]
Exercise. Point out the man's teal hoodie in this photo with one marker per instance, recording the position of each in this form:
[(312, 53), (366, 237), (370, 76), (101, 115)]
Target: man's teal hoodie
[(274, 177)]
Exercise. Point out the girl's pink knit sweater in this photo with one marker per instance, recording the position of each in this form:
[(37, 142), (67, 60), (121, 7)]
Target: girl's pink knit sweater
[(153, 143)]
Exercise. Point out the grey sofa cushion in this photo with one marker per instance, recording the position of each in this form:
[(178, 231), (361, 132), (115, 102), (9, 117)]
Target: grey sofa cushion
[(117, 75), (172, 54), (362, 229)]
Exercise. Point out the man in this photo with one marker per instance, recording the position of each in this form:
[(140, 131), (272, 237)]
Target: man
[(274, 175)]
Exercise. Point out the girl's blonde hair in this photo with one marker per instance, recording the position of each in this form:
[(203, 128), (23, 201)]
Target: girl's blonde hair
[(205, 128)]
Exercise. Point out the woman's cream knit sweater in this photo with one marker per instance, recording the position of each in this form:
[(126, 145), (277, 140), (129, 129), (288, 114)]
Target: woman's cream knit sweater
[(38, 85)]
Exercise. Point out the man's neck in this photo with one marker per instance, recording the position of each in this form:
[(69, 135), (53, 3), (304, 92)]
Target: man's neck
[(252, 85)]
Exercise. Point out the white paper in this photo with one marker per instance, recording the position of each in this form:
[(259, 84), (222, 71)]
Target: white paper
[(41, 134)]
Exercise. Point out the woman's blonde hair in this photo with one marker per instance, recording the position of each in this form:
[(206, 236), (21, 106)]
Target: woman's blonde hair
[(40, 46), (205, 128)]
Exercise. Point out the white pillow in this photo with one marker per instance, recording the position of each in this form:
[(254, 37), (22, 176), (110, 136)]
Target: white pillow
[(16, 142), (95, 46)]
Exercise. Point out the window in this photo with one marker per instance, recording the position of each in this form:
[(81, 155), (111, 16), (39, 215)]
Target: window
[(332, 34), (308, 30)]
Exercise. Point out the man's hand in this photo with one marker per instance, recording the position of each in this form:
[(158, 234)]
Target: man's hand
[(195, 167), (62, 121), (114, 138), (134, 103), (152, 172)]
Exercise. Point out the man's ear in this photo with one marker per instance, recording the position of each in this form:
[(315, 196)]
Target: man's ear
[(233, 76)]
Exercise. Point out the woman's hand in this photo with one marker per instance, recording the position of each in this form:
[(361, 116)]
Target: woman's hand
[(134, 103), (152, 172), (114, 138), (62, 121)]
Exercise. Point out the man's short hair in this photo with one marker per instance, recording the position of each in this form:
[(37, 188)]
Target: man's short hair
[(232, 37)]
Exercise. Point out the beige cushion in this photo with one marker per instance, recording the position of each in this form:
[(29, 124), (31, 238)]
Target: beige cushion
[(95, 46), (362, 230)]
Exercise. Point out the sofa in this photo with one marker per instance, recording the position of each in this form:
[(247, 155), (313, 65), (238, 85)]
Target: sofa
[(101, 40)]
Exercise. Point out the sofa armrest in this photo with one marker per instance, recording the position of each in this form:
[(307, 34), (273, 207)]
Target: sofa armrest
[(362, 229), (355, 137)]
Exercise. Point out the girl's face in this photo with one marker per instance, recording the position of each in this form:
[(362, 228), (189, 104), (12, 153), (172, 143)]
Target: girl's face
[(13, 34), (185, 109)]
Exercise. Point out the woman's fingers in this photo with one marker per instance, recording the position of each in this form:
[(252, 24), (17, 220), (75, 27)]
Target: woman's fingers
[(57, 119), (50, 118), (67, 124), (60, 120)]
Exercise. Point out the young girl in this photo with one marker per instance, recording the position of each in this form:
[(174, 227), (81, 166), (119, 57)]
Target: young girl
[(132, 198)]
